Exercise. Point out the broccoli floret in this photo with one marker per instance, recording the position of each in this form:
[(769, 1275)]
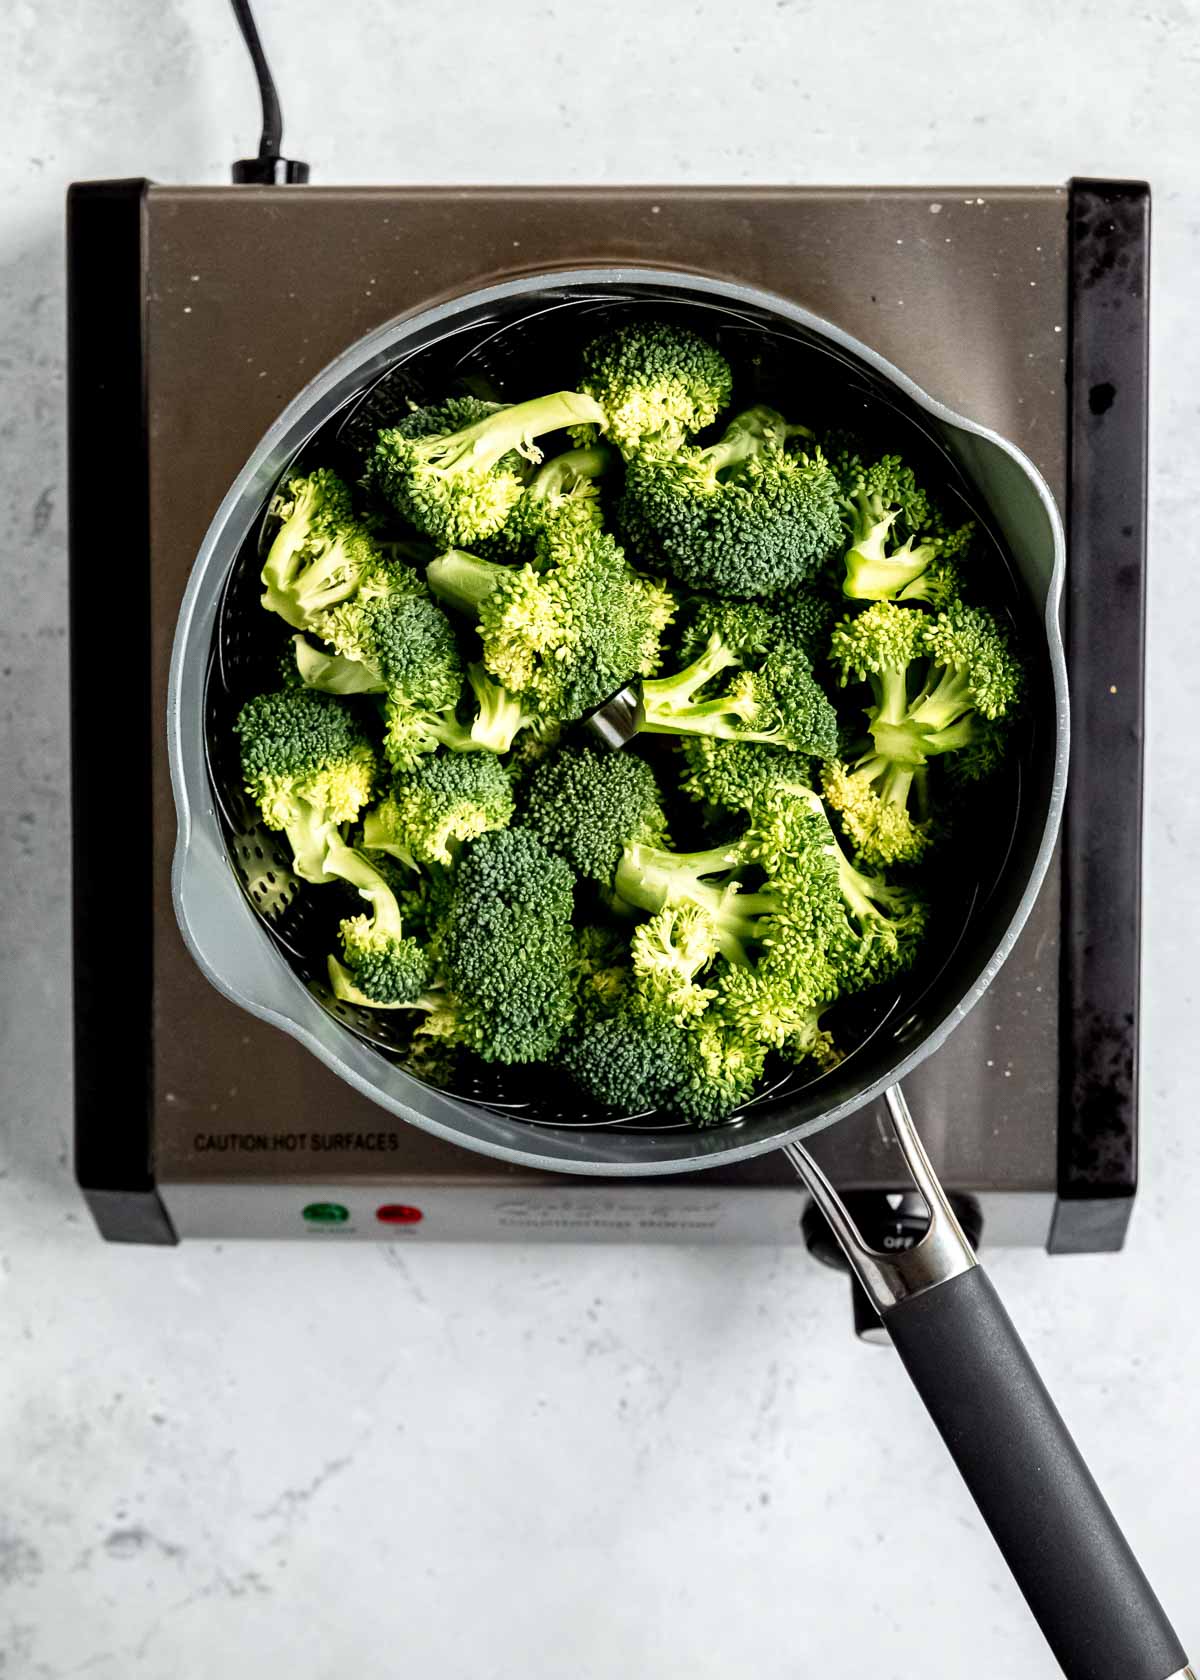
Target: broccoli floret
[(651, 378), (960, 663), (391, 637), (660, 1047), (399, 643), (652, 878), (812, 924), (507, 947), (432, 809), (382, 966), (640, 1059), (902, 546), (309, 766), (319, 551), (884, 807), (568, 636), (587, 805), (724, 1066), (881, 794), (835, 929), (630, 1062), (412, 730), (602, 971), (773, 698), (668, 953), (456, 476), (878, 568), (763, 1006), (744, 517), (731, 775), (561, 499)]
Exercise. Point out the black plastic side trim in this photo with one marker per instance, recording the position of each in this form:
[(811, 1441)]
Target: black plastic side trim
[(107, 447), (1106, 592)]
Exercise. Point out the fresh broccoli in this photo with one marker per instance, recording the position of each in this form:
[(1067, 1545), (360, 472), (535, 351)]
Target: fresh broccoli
[(431, 809), (630, 1062), (773, 698), (382, 966), (935, 680), (940, 685), (566, 637), (654, 1054), (901, 546), (744, 517), (696, 1042), (878, 568), (819, 926), (319, 551), (651, 378), (652, 878), (835, 929), (455, 474), (731, 775), (562, 498), (507, 947), (801, 618), (309, 766), (587, 805), (389, 637), (884, 807), (663, 1046), (668, 953), (763, 1006), (602, 971)]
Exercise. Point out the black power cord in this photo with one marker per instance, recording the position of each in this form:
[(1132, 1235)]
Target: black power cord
[(269, 168)]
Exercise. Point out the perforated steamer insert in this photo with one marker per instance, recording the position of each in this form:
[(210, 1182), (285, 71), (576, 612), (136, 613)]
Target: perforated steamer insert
[(227, 1126)]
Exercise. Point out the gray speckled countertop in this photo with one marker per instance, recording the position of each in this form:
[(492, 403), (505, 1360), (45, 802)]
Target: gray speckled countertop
[(257, 1461)]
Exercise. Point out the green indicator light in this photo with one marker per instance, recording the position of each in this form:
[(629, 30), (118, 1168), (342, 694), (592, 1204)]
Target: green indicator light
[(326, 1213)]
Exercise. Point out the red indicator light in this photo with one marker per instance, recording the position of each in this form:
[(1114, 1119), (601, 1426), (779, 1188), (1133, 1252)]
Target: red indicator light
[(398, 1213)]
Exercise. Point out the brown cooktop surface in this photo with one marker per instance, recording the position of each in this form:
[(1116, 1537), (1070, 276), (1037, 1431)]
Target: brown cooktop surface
[(249, 292)]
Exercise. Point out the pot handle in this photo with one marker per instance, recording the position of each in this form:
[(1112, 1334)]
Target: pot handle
[(1033, 1489)]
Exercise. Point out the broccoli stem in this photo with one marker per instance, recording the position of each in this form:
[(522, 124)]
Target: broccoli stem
[(565, 473), (346, 864), (310, 836), (494, 726), (298, 587), (903, 743), (463, 581), (334, 674), (664, 697), (749, 432), (890, 688), (479, 447), (651, 879), (376, 838), (880, 577), (938, 707), (956, 735)]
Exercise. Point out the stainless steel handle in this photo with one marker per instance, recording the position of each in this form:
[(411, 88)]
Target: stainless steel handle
[(1033, 1489), (942, 1253)]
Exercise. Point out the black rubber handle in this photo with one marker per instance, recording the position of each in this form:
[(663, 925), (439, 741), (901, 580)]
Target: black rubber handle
[(1059, 1538)]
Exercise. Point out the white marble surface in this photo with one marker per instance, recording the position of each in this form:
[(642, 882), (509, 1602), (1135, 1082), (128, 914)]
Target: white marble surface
[(258, 1461)]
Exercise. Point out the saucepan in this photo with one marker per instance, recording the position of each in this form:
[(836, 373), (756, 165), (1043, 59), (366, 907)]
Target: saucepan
[(261, 938)]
